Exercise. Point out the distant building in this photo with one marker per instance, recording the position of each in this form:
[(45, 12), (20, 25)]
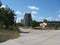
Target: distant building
[(27, 19), (22, 21), (51, 24), (43, 25)]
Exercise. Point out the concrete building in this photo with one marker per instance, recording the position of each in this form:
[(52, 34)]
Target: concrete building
[(22, 21), (27, 19), (43, 25)]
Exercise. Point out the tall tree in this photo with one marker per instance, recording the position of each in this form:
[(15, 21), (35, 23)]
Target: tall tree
[(7, 16), (33, 23), (45, 20)]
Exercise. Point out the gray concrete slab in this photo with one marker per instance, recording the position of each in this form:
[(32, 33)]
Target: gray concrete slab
[(36, 37)]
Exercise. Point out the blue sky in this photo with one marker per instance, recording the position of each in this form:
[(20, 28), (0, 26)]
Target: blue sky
[(40, 9)]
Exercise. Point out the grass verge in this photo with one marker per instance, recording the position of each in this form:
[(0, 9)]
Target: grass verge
[(7, 34)]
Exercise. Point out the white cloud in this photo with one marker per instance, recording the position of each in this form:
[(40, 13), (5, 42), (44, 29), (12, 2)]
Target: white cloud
[(3, 6), (41, 18), (18, 13), (33, 7), (58, 15), (56, 19), (34, 12), (34, 16), (19, 16), (18, 19), (48, 18)]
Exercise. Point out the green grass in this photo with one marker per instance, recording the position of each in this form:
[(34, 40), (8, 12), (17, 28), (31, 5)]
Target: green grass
[(24, 27), (7, 34), (47, 28)]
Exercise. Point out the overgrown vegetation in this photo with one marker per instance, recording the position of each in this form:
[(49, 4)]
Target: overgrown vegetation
[(7, 34), (34, 23), (51, 25), (20, 24), (8, 26)]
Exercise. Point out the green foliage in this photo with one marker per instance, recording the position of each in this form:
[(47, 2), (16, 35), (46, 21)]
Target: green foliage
[(45, 20), (33, 23), (7, 20), (7, 17), (56, 26), (20, 24), (1, 24)]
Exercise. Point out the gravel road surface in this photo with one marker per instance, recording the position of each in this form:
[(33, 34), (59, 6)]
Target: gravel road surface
[(35, 37)]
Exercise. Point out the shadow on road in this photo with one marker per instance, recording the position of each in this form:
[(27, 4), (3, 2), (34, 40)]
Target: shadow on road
[(23, 32)]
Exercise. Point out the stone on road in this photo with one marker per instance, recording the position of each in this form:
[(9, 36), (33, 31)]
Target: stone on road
[(36, 37)]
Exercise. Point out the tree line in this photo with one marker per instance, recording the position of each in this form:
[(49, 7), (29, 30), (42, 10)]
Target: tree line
[(7, 17)]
